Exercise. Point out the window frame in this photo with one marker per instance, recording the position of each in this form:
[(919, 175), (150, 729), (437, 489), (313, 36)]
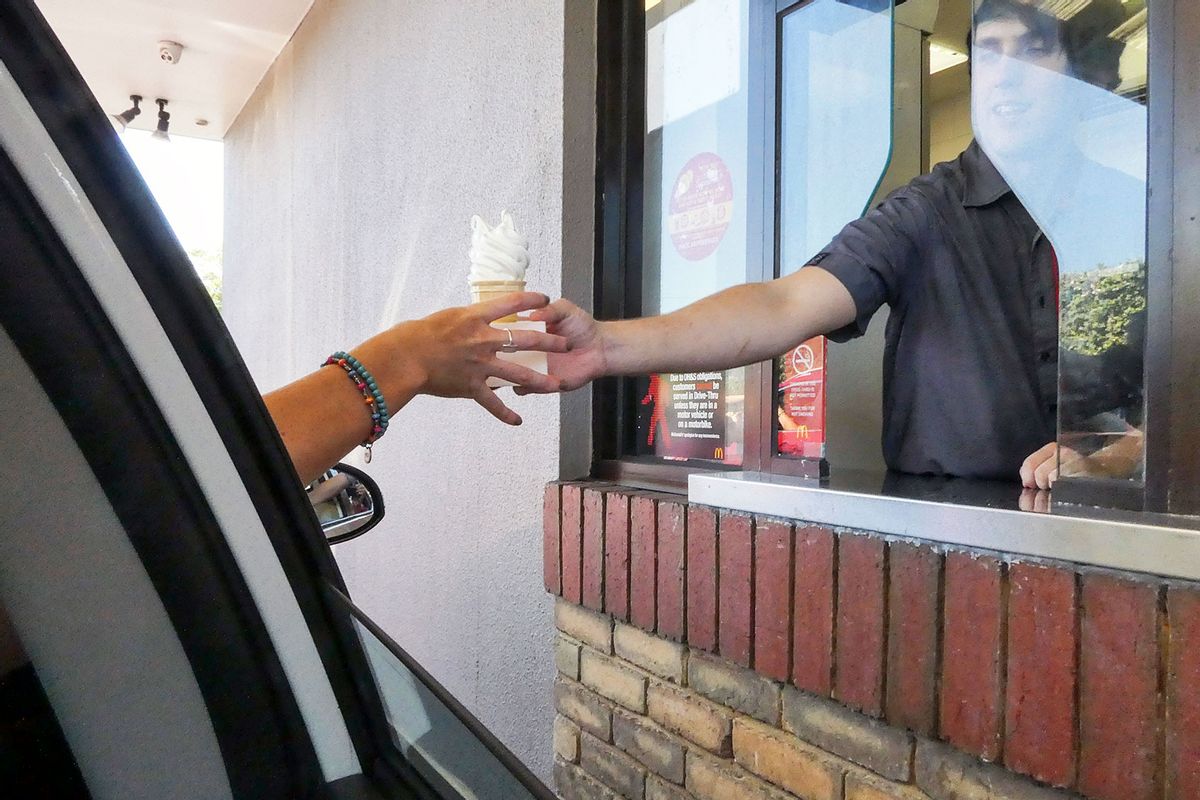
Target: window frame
[(620, 139), (1172, 377), (1172, 372)]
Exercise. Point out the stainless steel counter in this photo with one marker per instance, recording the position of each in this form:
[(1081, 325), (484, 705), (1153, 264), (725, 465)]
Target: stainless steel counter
[(963, 512)]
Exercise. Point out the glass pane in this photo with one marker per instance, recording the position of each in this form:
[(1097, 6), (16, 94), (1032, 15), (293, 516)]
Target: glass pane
[(1058, 104), (696, 225), (431, 737), (835, 137)]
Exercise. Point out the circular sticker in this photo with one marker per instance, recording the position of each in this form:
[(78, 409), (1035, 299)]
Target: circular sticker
[(701, 206)]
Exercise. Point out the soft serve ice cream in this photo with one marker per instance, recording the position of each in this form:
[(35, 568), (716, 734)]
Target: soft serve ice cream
[(499, 257), (499, 253)]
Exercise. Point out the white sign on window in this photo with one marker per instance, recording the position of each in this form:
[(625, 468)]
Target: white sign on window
[(693, 60)]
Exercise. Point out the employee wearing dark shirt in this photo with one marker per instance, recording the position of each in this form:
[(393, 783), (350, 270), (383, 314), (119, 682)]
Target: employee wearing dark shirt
[(970, 366)]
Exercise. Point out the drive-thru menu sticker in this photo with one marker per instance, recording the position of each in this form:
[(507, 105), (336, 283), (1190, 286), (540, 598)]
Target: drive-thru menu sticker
[(688, 418), (701, 206), (802, 401)]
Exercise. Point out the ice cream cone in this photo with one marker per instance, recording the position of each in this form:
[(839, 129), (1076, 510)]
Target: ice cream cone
[(483, 291)]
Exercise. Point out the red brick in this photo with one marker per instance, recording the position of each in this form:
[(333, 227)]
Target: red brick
[(773, 599), (616, 555), (702, 578), (861, 620), (914, 582), (735, 547), (672, 537), (1039, 715), (572, 542), (552, 538), (593, 549), (1183, 694), (971, 714), (1118, 689), (643, 561), (812, 614)]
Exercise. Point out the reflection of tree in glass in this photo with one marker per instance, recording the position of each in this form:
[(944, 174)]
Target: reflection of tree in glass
[(1099, 305)]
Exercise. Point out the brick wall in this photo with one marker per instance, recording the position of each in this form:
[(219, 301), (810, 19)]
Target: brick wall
[(709, 654)]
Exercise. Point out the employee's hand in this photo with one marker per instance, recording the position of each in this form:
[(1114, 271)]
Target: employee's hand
[(452, 353), (1035, 500), (1040, 470), (583, 359)]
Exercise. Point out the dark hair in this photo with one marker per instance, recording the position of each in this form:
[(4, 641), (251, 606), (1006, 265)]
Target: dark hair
[(1086, 38)]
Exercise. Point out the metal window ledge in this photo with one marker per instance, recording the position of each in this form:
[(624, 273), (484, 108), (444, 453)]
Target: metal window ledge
[(963, 512)]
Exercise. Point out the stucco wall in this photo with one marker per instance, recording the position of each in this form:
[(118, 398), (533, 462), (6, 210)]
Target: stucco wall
[(351, 176)]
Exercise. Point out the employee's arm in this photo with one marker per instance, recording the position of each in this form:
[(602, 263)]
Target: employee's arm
[(1121, 459), (731, 328)]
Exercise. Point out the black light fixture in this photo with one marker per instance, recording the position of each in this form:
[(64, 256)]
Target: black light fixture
[(164, 122), (122, 120)]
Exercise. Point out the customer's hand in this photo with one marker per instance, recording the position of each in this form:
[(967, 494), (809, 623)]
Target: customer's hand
[(452, 353), (584, 359)]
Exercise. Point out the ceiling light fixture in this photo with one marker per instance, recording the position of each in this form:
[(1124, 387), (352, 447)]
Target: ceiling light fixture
[(942, 58), (122, 120), (164, 122)]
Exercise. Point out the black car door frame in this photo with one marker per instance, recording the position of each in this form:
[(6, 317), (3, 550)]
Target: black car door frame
[(172, 425)]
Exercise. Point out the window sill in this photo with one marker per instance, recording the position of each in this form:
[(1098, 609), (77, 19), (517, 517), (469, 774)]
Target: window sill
[(961, 512)]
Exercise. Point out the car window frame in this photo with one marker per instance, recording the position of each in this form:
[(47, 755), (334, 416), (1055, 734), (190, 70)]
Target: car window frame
[(100, 167)]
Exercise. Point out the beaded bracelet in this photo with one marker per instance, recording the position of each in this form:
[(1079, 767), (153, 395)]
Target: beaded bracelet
[(365, 382)]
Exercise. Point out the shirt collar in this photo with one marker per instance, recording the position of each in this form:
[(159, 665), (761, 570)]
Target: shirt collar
[(983, 183)]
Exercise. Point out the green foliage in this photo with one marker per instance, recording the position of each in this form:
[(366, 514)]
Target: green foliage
[(208, 267), (1098, 305)]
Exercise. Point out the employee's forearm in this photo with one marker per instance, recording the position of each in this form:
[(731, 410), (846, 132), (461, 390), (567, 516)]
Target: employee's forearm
[(737, 326)]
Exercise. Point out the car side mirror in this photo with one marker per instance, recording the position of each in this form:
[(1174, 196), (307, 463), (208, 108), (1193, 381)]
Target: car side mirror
[(347, 503)]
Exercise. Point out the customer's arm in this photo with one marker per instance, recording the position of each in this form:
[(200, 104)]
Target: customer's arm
[(734, 327), (452, 353)]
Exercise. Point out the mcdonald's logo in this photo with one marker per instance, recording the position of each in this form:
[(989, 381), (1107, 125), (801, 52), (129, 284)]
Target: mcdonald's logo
[(719, 453), (804, 431)]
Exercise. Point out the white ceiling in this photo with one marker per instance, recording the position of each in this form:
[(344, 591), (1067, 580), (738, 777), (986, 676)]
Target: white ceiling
[(228, 46)]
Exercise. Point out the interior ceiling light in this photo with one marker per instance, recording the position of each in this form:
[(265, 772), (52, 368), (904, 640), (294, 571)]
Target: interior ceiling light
[(122, 120), (942, 57), (164, 122)]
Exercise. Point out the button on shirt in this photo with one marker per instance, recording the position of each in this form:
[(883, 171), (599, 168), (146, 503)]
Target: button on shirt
[(970, 364)]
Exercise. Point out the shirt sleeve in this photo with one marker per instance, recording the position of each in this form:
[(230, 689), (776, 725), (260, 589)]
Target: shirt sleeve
[(872, 256)]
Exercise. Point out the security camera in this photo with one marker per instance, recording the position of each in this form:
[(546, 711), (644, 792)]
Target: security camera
[(170, 52)]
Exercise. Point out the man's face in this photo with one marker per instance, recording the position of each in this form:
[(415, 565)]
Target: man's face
[(1020, 89)]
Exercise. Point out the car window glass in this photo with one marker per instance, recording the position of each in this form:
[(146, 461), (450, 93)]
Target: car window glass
[(431, 737)]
